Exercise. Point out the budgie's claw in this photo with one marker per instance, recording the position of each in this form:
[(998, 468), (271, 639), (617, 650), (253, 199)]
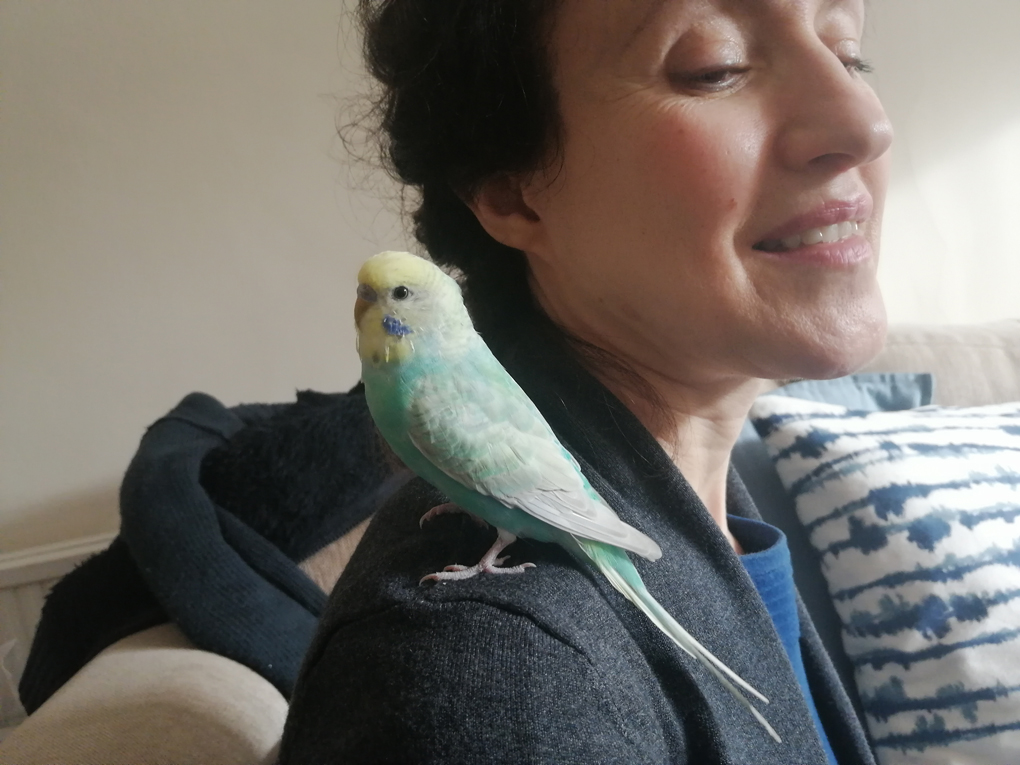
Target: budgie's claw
[(489, 564), (466, 572)]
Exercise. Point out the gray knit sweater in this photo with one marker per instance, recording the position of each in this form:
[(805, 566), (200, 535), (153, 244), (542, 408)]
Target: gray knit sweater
[(554, 666)]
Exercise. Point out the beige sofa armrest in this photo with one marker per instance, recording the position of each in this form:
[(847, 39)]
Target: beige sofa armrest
[(973, 364), (153, 698)]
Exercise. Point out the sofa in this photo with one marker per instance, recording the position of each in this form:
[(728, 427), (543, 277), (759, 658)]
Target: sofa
[(153, 697)]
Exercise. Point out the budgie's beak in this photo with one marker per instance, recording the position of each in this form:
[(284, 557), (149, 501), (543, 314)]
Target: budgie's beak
[(366, 297)]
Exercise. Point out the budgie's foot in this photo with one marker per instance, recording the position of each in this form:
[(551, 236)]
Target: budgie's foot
[(490, 563), (450, 507)]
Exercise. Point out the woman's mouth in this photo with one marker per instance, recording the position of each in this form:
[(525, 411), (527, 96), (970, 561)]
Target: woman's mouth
[(836, 232)]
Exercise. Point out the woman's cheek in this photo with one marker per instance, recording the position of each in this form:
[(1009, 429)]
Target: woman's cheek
[(704, 172)]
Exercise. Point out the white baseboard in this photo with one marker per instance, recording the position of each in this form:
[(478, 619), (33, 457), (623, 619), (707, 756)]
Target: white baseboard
[(49, 561)]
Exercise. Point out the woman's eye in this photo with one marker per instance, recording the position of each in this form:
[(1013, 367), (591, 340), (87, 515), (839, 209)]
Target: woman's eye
[(856, 64), (709, 80)]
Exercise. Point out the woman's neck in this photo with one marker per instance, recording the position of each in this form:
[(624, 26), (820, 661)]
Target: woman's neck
[(697, 426), (696, 416)]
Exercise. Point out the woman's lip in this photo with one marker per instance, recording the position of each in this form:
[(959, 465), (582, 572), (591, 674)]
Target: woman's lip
[(846, 252), (835, 211)]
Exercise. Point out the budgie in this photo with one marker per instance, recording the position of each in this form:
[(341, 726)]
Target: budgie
[(459, 420)]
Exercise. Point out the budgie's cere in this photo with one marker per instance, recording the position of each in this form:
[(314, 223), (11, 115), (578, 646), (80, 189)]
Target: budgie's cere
[(456, 418)]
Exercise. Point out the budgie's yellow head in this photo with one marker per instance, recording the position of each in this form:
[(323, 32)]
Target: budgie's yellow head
[(401, 299)]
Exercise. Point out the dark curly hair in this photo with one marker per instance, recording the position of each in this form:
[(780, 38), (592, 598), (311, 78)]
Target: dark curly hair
[(466, 96)]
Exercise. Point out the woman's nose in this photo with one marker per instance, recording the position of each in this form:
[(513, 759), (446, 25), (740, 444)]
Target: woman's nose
[(831, 120)]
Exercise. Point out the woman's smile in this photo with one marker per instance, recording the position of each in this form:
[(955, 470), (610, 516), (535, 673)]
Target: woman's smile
[(831, 234)]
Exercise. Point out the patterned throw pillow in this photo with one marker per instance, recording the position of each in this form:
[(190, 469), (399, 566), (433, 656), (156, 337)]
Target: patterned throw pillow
[(915, 517)]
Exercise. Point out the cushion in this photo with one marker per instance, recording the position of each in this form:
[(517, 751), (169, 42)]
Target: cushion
[(914, 515), (870, 392), (153, 699)]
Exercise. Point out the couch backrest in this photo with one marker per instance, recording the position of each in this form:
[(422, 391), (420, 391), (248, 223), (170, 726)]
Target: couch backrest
[(973, 364)]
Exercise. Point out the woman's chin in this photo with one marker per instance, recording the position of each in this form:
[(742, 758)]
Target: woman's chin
[(835, 347)]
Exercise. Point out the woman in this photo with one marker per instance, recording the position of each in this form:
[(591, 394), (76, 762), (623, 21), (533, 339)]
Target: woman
[(655, 204)]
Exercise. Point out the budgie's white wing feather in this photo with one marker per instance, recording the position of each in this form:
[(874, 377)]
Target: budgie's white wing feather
[(475, 424)]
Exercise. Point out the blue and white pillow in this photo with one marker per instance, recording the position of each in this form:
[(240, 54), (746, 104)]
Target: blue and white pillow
[(916, 517)]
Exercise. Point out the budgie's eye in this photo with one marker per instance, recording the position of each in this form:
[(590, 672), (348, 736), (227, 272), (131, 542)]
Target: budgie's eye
[(401, 292)]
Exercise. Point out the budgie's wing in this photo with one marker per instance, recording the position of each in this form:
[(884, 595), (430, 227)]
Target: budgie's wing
[(473, 422)]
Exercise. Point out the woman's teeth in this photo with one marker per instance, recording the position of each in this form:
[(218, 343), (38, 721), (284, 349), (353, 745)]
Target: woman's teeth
[(827, 234)]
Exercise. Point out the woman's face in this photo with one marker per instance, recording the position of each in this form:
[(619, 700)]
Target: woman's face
[(707, 146)]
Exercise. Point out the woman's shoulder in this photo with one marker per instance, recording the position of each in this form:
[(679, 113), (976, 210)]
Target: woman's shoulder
[(385, 573), (407, 670)]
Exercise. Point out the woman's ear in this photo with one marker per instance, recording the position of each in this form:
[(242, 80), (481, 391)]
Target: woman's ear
[(501, 208)]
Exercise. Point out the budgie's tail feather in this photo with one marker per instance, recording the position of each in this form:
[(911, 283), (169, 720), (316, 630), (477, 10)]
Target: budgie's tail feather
[(617, 568)]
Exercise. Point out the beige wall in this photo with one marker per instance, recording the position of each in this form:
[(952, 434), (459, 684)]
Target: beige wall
[(176, 214), (949, 74)]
